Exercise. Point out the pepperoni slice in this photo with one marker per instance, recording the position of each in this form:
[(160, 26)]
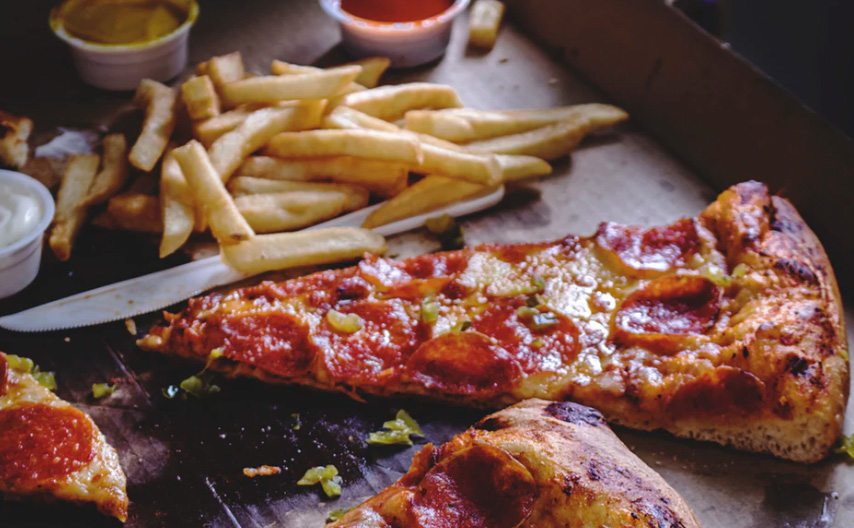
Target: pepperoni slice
[(39, 443), (647, 252), (437, 264), (478, 487), (724, 391), (388, 336), (548, 348), (464, 364), (668, 308), (276, 342)]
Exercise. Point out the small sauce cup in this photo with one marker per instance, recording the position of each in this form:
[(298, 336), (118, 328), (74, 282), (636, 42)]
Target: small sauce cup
[(407, 44), (122, 66), (19, 260)]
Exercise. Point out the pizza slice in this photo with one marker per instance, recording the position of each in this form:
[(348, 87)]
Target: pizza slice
[(725, 327), (535, 464), (51, 451)]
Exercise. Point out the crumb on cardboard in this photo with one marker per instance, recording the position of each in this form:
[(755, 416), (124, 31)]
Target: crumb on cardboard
[(130, 324), (262, 471)]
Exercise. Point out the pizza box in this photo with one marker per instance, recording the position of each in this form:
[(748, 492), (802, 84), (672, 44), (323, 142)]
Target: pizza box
[(702, 120)]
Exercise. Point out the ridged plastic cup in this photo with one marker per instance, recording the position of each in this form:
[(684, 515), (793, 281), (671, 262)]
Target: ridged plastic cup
[(407, 44), (121, 67), (19, 261)]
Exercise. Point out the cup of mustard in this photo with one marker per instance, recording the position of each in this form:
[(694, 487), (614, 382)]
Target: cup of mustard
[(117, 43)]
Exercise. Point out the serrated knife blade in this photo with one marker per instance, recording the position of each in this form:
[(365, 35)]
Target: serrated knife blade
[(159, 290)]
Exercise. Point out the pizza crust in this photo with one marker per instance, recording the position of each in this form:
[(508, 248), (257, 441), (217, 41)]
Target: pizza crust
[(554, 464), (795, 320)]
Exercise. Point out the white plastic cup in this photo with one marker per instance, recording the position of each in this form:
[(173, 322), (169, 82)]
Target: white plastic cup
[(121, 67), (407, 44), (19, 261)]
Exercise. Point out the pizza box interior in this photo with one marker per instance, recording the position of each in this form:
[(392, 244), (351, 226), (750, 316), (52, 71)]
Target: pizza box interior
[(702, 119)]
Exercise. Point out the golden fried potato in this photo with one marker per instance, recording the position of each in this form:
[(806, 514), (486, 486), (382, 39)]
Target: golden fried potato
[(200, 97), (209, 130), (132, 212), (230, 149), (177, 206), (286, 211), (159, 102), (514, 168), (275, 88), (224, 69), (391, 103), (464, 124), (114, 170), (305, 248), (14, 133), (382, 178), (225, 221), (431, 193), (357, 197), (71, 203), (370, 144), (484, 21), (372, 69)]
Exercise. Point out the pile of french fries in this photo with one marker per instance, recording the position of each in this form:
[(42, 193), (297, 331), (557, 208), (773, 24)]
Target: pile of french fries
[(253, 158)]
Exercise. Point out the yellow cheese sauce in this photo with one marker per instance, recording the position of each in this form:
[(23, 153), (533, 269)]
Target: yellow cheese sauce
[(120, 22)]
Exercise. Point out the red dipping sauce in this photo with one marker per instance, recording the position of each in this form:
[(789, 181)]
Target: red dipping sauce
[(391, 11)]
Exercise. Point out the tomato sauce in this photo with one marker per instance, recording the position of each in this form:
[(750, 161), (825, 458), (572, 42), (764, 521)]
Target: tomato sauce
[(40, 442), (546, 349), (391, 11), (389, 335)]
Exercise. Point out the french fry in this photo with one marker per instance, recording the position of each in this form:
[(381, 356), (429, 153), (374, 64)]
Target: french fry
[(429, 194), (357, 197), (383, 179), (514, 168), (464, 124), (210, 130), (344, 118), (372, 69), (159, 102), (484, 21), (371, 144), (286, 68), (225, 221), (70, 203), (224, 69), (391, 103), (550, 142), (203, 68), (114, 170), (473, 167), (229, 151), (305, 248), (438, 156), (132, 212), (200, 97), (271, 213), (177, 208), (275, 88)]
